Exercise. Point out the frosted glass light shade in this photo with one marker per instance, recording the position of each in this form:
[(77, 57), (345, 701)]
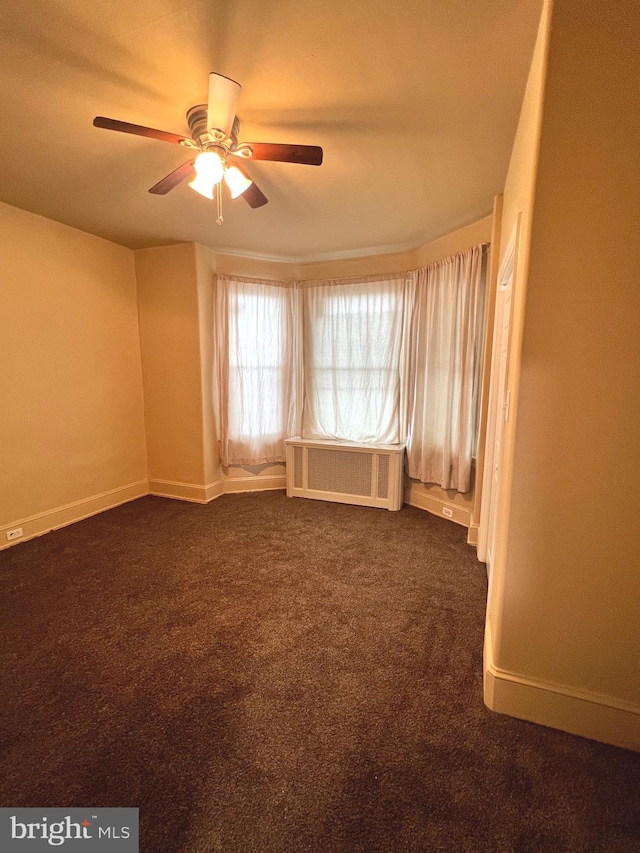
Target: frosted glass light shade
[(236, 181), (209, 172)]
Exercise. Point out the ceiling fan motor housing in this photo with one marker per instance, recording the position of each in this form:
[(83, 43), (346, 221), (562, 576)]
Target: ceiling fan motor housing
[(197, 121)]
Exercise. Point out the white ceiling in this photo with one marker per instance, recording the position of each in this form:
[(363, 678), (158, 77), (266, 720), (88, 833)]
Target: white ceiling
[(415, 105)]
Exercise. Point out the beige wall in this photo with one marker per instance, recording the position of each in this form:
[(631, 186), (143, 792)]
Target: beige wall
[(457, 241), (171, 311), (253, 267), (72, 424), (449, 244), (567, 650), (205, 277)]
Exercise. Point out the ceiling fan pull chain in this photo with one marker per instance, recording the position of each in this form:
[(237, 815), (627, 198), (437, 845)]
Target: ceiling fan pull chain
[(220, 218)]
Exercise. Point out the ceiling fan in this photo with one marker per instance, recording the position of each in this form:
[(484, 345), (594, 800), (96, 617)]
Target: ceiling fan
[(218, 156)]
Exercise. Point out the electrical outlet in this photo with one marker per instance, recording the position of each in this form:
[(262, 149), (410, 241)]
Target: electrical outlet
[(447, 511), (16, 533)]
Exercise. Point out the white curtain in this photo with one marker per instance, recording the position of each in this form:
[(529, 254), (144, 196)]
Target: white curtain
[(444, 354), (254, 330), (352, 359)]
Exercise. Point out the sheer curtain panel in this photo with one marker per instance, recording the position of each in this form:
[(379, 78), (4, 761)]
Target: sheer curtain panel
[(444, 355), (254, 331), (351, 355)]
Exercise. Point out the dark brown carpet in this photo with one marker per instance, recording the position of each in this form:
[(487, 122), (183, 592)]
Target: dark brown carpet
[(271, 674)]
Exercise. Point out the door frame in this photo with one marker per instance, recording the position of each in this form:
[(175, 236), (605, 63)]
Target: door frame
[(499, 395)]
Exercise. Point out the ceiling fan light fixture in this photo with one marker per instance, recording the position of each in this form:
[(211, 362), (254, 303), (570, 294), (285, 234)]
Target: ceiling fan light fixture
[(202, 186), (209, 172), (236, 181)]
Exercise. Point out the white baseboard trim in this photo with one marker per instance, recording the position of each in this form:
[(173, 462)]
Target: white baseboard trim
[(472, 536), (436, 506), (192, 492), (44, 522), (203, 494), (254, 484), (214, 490), (591, 715)]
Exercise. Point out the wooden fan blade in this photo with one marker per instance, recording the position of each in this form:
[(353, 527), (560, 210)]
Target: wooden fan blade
[(222, 104), (253, 195), (174, 178), (307, 155), (137, 129)]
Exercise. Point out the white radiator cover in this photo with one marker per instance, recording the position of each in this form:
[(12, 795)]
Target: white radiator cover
[(346, 472)]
